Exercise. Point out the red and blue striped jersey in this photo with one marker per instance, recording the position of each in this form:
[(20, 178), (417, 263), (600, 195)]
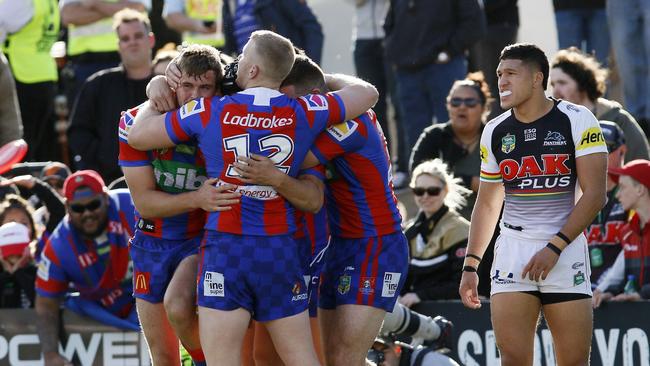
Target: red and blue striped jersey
[(99, 269), (260, 121), (313, 225), (360, 198), (176, 170)]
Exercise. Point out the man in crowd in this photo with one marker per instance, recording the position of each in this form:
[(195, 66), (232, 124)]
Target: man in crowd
[(88, 251), (200, 22), (167, 236), (536, 156), (257, 271), (93, 128), (627, 280)]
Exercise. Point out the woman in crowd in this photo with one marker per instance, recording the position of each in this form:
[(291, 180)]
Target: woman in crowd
[(578, 78), (437, 236), (456, 142)]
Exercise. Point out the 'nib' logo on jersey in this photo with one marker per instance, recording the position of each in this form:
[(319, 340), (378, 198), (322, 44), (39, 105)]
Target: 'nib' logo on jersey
[(176, 177)]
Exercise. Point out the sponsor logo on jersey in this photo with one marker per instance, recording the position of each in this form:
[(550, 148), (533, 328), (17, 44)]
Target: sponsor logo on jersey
[(578, 278), (296, 291), (391, 283), (174, 177), (262, 193), (185, 149), (192, 107), (126, 122), (577, 265), (252, 121), (484, 154), (344, 284), (554, 139), (142, 280), (146, 225), (44, 268), (591, 137), (552, 164), (213, 284), (573, 108), (500, 280), (315, 102), (367, 285), (342, 130), (530, 134), (508, 143)]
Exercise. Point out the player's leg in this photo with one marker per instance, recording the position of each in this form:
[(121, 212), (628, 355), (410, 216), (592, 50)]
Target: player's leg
[(247, 346), (222, 334), (348, 333), (571, 324), (316, 339), (292, 339), (160, 336), (180, 305), (263, 348), (514, 320)]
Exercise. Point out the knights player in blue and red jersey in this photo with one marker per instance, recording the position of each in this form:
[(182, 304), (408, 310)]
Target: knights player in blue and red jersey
[(171, 192), (367, 258), (88, 252), (249, 260)]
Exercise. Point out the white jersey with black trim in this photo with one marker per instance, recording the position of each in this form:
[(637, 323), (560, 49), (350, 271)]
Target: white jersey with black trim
[(536, 163)]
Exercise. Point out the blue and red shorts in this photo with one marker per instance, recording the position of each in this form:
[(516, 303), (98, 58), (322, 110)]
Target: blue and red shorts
[(154, 262), (312, 265), (262, 274), (367, 271)]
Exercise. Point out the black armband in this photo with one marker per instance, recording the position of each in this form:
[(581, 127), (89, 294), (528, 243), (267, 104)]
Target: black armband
[(554, 248), (474, 256), (470, 269), (563, 237)]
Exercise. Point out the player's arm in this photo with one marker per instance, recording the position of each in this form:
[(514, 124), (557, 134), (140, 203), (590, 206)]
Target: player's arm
[(152, 203), (357, 95), (484, 219), (108, 8), (148, 131), (47, 319), (305, 193), (79, 14)]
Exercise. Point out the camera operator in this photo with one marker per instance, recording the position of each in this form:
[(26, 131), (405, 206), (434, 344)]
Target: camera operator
[(388, 353)]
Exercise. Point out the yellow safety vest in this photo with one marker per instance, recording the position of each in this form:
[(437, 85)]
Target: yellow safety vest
[(29, 48), (205, 10), (94, 37)]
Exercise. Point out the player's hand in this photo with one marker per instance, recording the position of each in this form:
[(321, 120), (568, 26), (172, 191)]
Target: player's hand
[(622, 297), (55, 359), (161, 96), (599, 297), (25, 181), (540, 265), (258, 169), (216, 198), (409, 299), (173, 74), (469, 290)]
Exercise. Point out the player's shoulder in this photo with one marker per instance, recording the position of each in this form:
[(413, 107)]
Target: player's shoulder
[(497, 121), (575, 112)]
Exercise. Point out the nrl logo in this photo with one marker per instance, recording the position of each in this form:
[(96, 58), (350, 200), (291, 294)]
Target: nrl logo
[(508, 143)]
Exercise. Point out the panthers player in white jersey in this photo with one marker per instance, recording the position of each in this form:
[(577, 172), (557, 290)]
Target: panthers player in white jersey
[(539, 156)]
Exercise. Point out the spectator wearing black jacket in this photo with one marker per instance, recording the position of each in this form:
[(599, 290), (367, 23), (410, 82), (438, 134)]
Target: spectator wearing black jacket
[(456, 141), (426, 42), (437, 236), (96, 113), (18, 270)]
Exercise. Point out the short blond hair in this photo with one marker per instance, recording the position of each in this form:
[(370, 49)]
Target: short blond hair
[(276, 54), (128, 15)]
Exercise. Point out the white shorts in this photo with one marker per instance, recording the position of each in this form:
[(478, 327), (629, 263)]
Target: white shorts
[(511, 254)]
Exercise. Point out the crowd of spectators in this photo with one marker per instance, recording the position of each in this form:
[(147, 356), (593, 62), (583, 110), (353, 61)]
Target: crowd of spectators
[(417, 53)]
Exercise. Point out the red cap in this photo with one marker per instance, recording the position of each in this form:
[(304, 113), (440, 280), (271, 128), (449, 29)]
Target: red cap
[(638, 169), (14, 237), (83, 178)]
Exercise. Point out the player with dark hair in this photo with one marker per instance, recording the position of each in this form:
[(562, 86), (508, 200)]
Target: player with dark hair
[(249, 262), (537, 155)]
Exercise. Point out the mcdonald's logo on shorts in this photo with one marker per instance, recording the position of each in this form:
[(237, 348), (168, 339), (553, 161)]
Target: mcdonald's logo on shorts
[(141, 285)]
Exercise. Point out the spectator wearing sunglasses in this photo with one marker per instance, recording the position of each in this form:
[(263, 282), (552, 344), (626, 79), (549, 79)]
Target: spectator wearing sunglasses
[(87, 252), (437, 236), (456, 141)]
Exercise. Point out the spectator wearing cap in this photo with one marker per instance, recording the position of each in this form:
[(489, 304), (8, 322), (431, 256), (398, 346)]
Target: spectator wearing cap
[(604, 232), (55, 174), (18, 269), (634, 194), (88, 252)]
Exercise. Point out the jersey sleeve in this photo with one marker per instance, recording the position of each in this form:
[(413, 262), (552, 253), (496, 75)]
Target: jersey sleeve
[(51, 279), (587, 135), (490, 171), (339, 139), (322, 110), (128, 156), (317, 171), (190, 120)]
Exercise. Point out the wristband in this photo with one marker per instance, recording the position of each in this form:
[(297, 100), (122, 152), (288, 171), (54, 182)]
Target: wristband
[(563, 237), (470, 269), (473, 256), (554, 248)]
